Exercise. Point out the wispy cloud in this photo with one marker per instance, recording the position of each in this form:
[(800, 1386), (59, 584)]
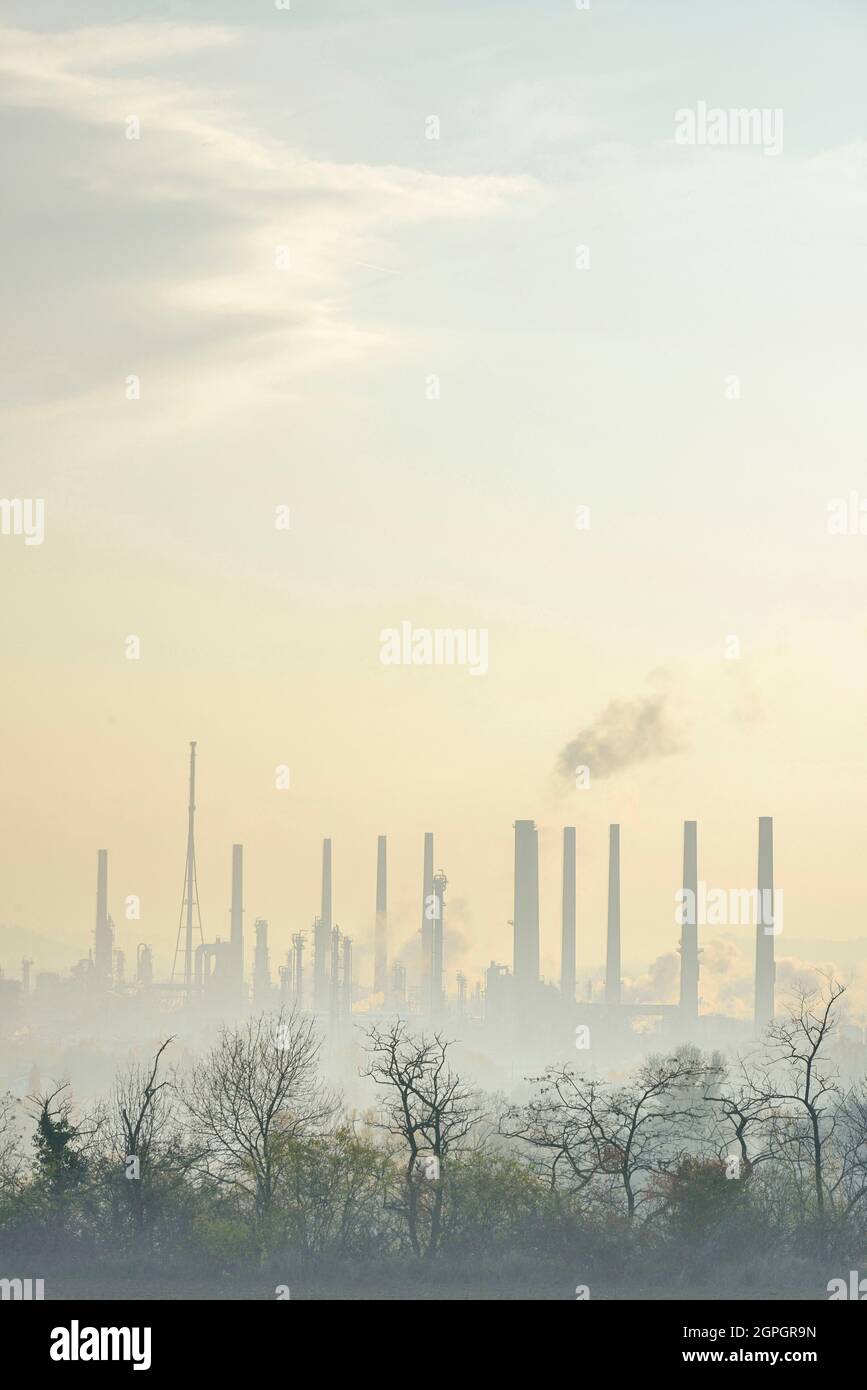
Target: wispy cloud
[(198, 148)]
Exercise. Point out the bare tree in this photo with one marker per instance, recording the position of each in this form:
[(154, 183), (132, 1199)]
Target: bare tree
[(744, 1117), (140, 1115), (850, 1188), (13, 1161), (614, 1136), (429, 1110), (556, 1127), (801, 1087), (254, 1096)]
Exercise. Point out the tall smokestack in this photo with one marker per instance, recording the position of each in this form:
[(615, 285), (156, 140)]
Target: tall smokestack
[(427, 911), (190, 883), (236, 933), (334, 989), (765, 967), (526, 914), (325, 914), (101, 887), (103, 944), (612, 959), (322, 935), (567, 939), (298, 968), (346, 993), (689, 925), (261, 965), (190, 894), (380, 938), (440, 883), (398, 983)]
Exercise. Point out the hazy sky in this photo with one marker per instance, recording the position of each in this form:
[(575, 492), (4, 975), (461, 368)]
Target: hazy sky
[(308, 386)]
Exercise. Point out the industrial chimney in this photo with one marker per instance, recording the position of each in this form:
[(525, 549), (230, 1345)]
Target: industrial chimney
[(380, 938), (525, 955), (567, 939), (322, 936), (334, 983), (462, 993), (298, 968), (325, 913), (689, 926), (236, 930), (398, 983), (144, 972), (261, 965), (765, 967), (427, 911), (190, 894), (103, 944), (612, 958), (346, 992), (440, 884)]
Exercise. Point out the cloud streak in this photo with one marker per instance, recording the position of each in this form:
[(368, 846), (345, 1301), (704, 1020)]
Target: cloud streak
[(227, 195)]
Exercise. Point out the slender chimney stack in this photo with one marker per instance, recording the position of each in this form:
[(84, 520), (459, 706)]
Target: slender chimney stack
[(236, 934), (567, 939), (261, 965), (398, 983), (436, 991), (325, 913), (103, 945), (334, 987), (765, 967), (322, 936), (612, 959), (190, 894), (526, 914), (427, 909), (346, 993), (689, 926), (298, 968), (380, 939), (144, 964), (102, 887)]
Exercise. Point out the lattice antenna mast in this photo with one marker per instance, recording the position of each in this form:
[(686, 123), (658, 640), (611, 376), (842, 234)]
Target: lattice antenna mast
[(190, 895)]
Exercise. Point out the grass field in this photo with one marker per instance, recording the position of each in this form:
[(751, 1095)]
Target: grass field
[(455, 1289)]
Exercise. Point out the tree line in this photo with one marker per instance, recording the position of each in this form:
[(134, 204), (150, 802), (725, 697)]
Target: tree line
[(249, 1160)]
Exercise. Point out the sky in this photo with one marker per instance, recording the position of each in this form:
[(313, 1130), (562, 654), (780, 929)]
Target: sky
[(390, 334)]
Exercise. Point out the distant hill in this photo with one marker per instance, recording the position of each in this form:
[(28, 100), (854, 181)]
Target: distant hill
[(16, 943)]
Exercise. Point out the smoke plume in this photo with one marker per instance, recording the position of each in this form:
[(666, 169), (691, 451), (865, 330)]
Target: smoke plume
[(626, 732)]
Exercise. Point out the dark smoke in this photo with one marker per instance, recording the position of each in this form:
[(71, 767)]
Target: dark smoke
[(626, 732)]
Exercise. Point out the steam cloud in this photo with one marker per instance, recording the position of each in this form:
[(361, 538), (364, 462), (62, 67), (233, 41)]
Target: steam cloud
[(626, 732)]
